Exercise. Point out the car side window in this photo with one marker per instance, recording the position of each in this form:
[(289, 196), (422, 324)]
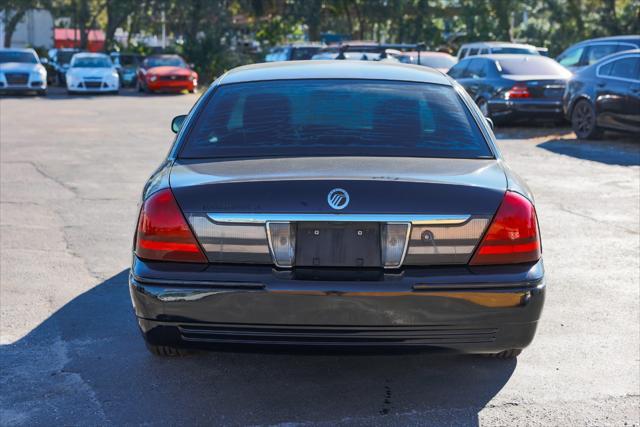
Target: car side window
[(572, 57), (626, 68), (598, 51), (484, 51), (463, 53), (473, 51), (621, 47)]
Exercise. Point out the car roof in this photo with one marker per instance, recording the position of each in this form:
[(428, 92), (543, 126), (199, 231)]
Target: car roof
[(628, 38), (334, 69), (426, 53), (499, 56), (496, 44)]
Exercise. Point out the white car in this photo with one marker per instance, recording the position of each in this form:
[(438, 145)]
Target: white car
[(92, 72)]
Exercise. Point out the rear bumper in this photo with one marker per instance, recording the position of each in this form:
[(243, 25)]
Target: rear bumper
[(526, 108), (452, 308)]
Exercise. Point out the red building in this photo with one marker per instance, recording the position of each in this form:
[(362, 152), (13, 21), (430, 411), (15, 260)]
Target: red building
[(70, 37)]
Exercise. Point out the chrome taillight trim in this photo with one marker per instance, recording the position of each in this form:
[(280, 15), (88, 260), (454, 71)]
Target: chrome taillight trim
[(248, 218)]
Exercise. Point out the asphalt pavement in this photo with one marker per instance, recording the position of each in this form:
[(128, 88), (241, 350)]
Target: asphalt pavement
[(72, 169)]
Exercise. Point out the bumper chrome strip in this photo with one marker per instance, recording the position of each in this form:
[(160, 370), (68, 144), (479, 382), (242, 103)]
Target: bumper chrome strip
[(247, 218)]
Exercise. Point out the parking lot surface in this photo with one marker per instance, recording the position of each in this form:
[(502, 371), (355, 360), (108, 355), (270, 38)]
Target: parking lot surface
[(72, 172)]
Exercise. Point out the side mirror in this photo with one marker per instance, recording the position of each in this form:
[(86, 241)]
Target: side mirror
[(489, 122), (176, 123), (44, 61)]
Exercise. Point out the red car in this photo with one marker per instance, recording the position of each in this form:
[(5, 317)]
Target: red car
[(166, 73)]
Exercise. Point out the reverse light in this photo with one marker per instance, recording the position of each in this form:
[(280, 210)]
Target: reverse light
[(518, 91), (513, 236), (163, 233)]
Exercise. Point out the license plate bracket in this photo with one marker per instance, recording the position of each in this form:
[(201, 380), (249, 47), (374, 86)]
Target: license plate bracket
[(338, 244)]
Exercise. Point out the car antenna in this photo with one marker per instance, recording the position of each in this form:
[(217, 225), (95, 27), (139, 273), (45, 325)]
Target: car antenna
[(419, 48)]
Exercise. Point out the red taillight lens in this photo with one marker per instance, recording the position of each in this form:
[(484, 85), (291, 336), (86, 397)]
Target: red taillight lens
[(513, 235), (518, 91), (163, 234)]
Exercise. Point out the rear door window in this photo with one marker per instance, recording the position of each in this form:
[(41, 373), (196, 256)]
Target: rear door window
[(596, 52), (334, 117), (625, 68)]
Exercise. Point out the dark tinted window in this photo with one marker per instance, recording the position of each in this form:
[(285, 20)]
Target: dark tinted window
[(473, 52), (13, 56), (300, 53), (626, 68), (334, 117), (64, 56), (596, 52), (532, 65), (164, 61)]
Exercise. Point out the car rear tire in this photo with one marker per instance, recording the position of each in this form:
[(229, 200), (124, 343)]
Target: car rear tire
[(583, 121), (507, 354), (166, 351), (483, 105)]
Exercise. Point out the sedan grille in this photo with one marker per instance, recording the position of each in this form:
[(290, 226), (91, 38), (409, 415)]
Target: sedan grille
[(17, 78), (173, 78), (92, 84)]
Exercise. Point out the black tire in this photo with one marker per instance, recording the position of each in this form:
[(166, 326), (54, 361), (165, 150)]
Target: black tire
[(41, 93), (166, 351), (483, 105), (583, 121), (507, 354)]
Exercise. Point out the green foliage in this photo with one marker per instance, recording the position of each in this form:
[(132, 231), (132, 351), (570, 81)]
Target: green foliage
[(213, 30)]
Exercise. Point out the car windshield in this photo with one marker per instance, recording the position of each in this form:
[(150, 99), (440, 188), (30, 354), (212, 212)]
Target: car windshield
[(516, 50), (540, 66), (64, 57), (165, 61), (334, 117), (91, 62), (128, 60), (23, 57)]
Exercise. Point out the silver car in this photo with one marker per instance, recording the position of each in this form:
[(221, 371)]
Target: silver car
[(21, 71)]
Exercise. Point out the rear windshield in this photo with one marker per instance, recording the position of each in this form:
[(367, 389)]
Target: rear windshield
[(532, 65), (334, 117)]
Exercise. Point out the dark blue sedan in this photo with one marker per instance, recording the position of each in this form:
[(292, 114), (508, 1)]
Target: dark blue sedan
[(510, 88)]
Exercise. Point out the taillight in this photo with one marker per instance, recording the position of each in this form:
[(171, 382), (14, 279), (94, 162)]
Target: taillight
[(163, 234), (518, 91), (513, 235)]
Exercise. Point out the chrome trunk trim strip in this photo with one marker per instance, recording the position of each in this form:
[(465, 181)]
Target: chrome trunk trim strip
[(248, 218)]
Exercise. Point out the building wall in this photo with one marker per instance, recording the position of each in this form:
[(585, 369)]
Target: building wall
[(35, 30)]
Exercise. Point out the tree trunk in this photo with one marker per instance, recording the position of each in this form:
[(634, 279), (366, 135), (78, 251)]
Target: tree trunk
[(11, 25)]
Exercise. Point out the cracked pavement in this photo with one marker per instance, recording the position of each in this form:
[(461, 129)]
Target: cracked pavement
[(72, 170)]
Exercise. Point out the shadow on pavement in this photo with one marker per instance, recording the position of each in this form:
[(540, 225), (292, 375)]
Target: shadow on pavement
[(86, 364), (615, 150)]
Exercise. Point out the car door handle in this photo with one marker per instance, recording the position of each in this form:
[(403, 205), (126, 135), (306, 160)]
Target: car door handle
[(601, 84)]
